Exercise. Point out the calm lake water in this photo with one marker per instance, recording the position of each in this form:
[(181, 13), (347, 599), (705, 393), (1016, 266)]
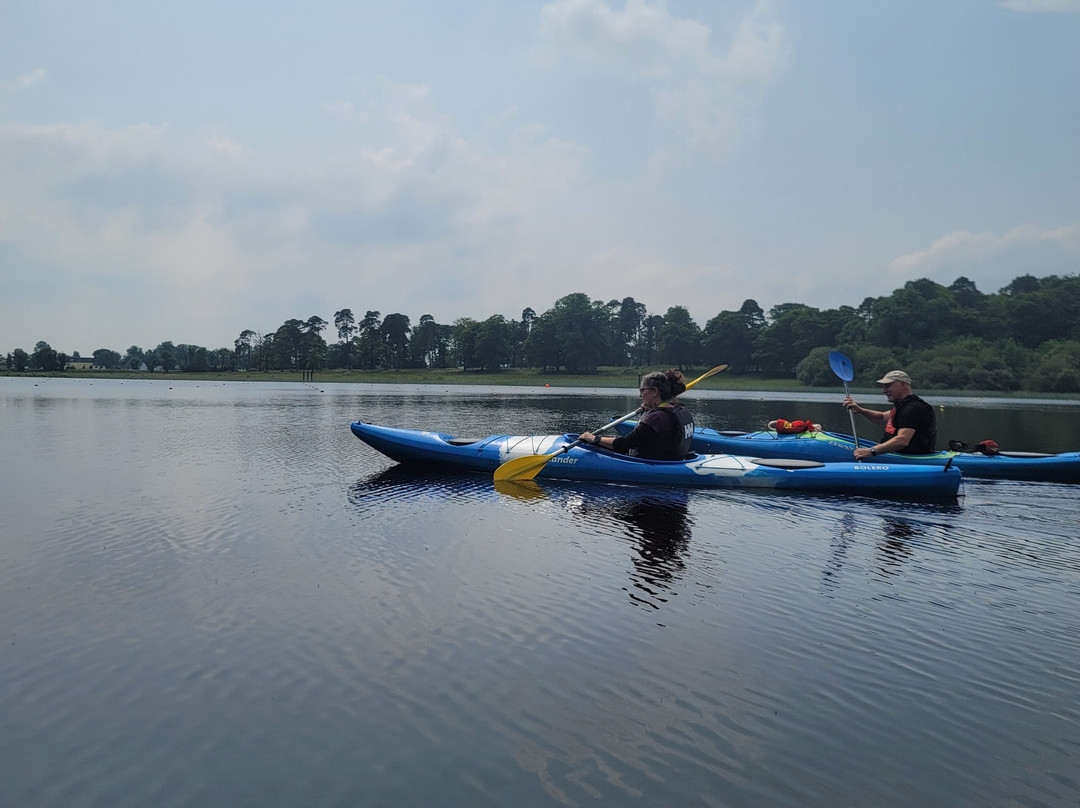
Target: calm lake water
[(212, 594)]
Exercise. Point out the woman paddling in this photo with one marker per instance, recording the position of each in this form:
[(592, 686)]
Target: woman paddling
[(664, 431)]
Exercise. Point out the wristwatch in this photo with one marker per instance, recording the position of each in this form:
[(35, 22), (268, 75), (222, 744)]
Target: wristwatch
[(873, 452)]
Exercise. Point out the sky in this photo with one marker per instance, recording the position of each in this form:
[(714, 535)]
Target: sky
[(186, 171)]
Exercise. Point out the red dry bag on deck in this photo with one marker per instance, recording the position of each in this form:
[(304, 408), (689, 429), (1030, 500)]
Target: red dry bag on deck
[(784, 427)]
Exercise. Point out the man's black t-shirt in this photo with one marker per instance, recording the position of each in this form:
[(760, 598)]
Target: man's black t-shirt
[(912, 412)]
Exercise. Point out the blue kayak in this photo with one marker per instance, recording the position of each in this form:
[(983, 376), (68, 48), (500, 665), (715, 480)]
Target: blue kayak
[(831, 447), (697, 471)]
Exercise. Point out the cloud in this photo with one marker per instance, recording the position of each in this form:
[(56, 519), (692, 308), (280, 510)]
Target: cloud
[(642, 40), (23, 82), (227, 147), (406, 214), (704, 98), (994, 259), (1041, 5)]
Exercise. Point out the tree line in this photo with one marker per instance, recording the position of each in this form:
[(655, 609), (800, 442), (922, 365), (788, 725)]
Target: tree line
[(1025, 336)]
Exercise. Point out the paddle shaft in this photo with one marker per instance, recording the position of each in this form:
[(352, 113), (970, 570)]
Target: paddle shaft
[(851, 413), (604, 428)]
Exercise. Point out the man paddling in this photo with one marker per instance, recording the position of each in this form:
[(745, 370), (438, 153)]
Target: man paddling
[(911, 424)]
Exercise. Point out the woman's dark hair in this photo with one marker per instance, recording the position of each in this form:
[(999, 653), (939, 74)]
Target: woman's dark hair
[(669, 382)]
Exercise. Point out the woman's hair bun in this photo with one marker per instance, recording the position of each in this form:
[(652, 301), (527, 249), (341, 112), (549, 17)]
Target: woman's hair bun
[(678, 385)]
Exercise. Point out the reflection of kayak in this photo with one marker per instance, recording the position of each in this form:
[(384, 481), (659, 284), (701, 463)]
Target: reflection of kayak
[(829, 447), (698, 471)]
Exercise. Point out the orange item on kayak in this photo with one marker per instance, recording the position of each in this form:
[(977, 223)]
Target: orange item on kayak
[(784, 427)]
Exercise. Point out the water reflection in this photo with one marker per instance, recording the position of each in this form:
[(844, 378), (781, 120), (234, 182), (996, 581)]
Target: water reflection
[(523, 490), (903, 533), (663, 536), (659, 524), (895, 548), (406, 483), (839, 550)]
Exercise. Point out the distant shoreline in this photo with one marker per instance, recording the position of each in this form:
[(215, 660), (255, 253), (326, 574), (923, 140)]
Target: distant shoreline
[(605, 377), (613, 378)]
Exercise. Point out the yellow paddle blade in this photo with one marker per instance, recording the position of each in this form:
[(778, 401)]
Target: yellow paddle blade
[(707, 374), (523, 468)]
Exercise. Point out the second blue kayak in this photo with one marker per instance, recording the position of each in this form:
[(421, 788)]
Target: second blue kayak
[(834, 447)]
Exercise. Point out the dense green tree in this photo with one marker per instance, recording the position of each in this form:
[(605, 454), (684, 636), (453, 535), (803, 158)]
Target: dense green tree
[(245, 346), (312, 345), (794, 329), (395, 330), (288, 345), (493, 342), (580, 329), (521, 333), (920, 313), (426, 348), (223, 359), (649, 346), (44, 357), (729, 336), (814, 369), (1039, 310), (1021, 285), (630, 322), (542, 345), (463, 340), (1056, 368), (20, 359), (133, 358), (165, 353), (680, 339), (725, 338), (371, 344), (970, 363), (966, 294), (196, 359), (266, 355), (345, 323)]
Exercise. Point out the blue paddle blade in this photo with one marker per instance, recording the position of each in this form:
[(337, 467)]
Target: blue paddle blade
[(841, 366)]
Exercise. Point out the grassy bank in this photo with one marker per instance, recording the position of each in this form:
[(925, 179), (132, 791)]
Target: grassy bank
[(616, 378)]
